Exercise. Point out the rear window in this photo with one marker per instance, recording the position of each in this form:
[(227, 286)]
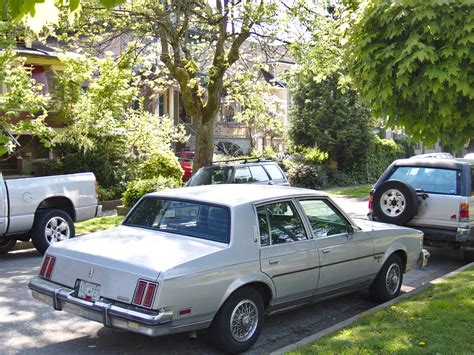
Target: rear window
[(192, 219), (274, 172), (211, 175), (434, 180)]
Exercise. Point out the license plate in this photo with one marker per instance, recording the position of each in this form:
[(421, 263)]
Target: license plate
[(88, 291)]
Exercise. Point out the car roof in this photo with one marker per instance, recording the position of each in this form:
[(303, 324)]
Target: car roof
[(434, 163), (241, 162), (236, 194)]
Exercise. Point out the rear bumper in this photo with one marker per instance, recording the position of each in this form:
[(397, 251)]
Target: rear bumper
[(110, 314), (459, 235)]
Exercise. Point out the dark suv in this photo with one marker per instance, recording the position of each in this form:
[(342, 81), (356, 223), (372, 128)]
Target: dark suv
[(240, 171), (435, 196)]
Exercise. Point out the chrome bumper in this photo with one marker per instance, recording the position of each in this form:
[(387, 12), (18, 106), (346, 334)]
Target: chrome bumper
[(423, 258), (152, 323)]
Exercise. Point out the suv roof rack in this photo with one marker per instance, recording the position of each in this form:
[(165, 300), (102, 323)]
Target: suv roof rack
[(244, 160)]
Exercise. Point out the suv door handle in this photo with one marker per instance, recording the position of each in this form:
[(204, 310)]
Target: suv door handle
[(273, 261)]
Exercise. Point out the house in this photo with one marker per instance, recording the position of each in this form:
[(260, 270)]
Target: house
[(45, 63)]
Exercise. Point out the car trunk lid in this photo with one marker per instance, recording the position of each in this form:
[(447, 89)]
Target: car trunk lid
[(117, 259)]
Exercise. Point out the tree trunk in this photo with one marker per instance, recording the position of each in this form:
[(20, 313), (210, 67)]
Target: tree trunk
[(204, 142)]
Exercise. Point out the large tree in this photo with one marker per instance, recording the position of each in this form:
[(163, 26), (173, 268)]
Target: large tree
[(413, 62), (196, 41)]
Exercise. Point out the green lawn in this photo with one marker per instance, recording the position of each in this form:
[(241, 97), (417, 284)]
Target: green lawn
[(360, 191), (97, 224), (439, 320)]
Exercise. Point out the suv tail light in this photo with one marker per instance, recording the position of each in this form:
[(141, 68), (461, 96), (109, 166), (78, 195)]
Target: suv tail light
[(47, 266), (145, 293), (371, 199), (463, 212)]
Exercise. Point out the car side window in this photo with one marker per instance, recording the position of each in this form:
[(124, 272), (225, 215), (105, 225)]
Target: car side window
[(274, 171), (280, 223), (258, 173), (242, 175), (325, 219)]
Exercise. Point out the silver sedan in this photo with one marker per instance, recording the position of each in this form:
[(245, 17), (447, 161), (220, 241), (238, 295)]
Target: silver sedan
[(221, 257)]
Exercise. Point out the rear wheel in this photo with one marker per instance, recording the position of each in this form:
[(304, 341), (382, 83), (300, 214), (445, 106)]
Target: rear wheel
[(395, 202), (51, 226), (6, 245), (388, 283), (238, 323)]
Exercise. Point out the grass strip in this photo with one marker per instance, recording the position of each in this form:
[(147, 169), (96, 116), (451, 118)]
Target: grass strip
[(97, 224), (360, 191), (438, 320)]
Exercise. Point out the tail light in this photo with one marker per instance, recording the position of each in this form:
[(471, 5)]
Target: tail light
[(145, 293), (464, 212), (371, 199), (97, 190), (47, 266)]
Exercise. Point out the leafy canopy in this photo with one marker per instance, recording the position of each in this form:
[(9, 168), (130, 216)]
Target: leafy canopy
[(412, 60)]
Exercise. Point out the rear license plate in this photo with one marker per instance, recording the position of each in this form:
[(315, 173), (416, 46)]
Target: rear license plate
[(88, 291)]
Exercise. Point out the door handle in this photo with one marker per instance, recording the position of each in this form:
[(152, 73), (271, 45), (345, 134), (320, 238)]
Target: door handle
[(273, 261), (326, 251)]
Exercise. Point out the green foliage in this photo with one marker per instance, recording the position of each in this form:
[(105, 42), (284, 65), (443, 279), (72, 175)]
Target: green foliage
[(332, 119), (412, 61), (381, 153), (104, 135), (136, 189), (161, 165), (109, 193), (97, 224), (23, 97), (315, 156)]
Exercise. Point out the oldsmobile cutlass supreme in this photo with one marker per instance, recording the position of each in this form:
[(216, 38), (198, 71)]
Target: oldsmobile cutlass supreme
[(221, 257)]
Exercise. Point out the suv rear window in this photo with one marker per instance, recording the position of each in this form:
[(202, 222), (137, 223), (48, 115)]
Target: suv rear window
[(434, 180)]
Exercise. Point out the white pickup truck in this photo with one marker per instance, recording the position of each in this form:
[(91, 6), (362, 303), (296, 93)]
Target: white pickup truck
[(44, 209)]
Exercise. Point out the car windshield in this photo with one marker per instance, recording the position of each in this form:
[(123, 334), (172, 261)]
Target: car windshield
[(192, 219), (211, 175)]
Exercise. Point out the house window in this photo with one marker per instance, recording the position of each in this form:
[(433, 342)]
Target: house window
[(179, 108)]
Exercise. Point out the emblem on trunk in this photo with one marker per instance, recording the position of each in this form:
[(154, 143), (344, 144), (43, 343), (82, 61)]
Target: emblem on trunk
[(91, 272)]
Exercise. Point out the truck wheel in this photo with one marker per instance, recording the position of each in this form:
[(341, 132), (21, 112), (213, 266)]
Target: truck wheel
[(51, 226), (239, 322), (388, 283), (395, 202), (6, 245)]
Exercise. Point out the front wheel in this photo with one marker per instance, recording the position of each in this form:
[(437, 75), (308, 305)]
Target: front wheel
[(51, 226), (239, 322), (388, 283), (6, 245)]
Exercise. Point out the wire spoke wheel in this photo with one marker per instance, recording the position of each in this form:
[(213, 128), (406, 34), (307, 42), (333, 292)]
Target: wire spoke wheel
[(392, 280), (244, 320)]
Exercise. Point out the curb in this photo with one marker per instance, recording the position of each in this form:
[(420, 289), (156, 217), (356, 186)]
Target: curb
[(352, 320)]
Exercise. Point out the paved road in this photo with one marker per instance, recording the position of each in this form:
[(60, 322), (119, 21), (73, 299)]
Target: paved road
[(29, 327)]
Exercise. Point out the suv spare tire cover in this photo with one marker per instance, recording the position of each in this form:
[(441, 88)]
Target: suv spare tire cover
[(395, 202)]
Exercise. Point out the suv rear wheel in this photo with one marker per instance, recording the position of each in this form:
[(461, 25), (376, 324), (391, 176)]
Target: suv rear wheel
[(395, 202)]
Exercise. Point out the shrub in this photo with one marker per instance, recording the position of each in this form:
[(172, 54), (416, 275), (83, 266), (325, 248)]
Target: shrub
[(136, 189), (165, 165), (44, 167), (109, 193)]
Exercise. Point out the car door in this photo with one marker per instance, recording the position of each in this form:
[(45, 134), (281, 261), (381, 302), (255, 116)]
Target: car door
[(346, 254), (287, 254)]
